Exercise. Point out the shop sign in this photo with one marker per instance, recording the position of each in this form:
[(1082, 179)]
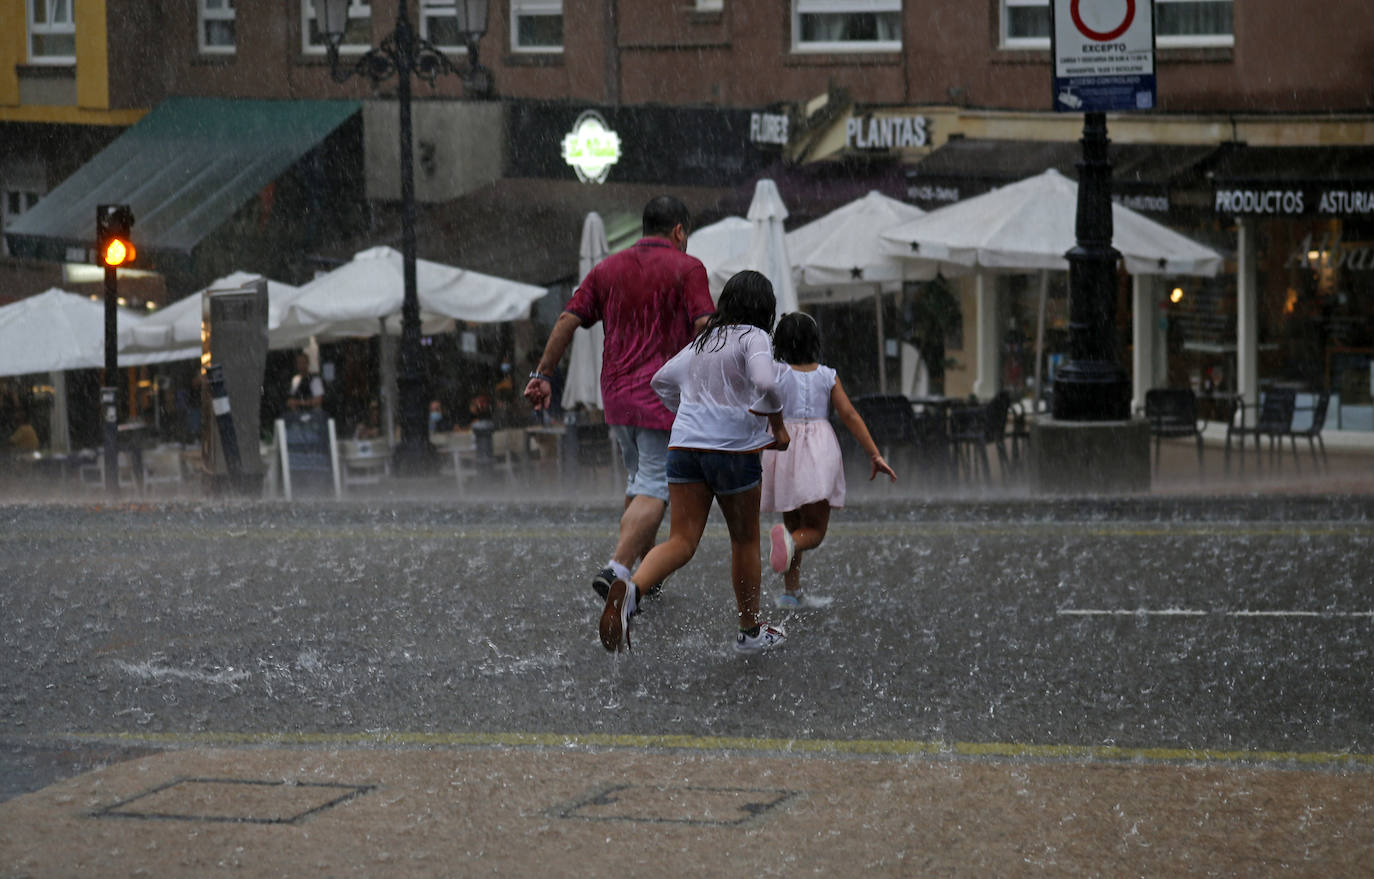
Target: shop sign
[(1332, 200), (1103, 54), (887, 132), (768, 129), (1331, 254), (591, 148)]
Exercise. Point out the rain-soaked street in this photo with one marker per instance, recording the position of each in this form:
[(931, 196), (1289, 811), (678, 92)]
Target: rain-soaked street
[(1190, 629)]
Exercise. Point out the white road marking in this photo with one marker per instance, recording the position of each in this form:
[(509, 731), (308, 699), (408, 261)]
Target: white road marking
[(1185, 612)]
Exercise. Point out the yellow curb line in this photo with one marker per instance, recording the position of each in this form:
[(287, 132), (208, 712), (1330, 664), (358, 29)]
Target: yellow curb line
[(859, 747)]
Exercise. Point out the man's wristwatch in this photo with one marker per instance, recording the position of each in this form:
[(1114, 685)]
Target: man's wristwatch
[(539, 375)]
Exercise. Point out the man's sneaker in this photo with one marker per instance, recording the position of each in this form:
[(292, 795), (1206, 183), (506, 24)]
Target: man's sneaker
[(602, 582), (783, 548), (769, 636), (615, 619)]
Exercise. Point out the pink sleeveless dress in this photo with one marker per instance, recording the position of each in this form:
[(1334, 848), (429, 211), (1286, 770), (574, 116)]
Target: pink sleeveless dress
[(811, 469)]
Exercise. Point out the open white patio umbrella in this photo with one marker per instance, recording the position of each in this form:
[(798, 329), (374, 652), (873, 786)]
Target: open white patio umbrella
[(365, 293), (56, 331), (1028, 226), (843, 250), (178, 325), (583, 383), (717, 244)]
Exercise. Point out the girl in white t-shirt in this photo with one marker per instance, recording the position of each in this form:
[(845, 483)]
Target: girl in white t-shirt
[(808, 481), (722, 388)]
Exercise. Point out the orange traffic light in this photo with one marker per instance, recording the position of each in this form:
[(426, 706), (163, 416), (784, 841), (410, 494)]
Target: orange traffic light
[(112, 226), (118, 252)]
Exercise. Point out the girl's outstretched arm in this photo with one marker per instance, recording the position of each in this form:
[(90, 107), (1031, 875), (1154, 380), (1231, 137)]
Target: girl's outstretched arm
[(855, 423)]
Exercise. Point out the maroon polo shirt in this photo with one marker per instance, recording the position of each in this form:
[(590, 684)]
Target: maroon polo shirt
[(648, 297)]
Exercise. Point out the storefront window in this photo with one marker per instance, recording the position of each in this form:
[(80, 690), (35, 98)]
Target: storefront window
[(1317, 313)]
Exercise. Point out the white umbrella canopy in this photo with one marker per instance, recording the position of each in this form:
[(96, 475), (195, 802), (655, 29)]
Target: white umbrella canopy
[(178, 325), (1029, 226), (844, 247), (355, 298), (56, 331), (583, 383), (717, 244), (768, 251)]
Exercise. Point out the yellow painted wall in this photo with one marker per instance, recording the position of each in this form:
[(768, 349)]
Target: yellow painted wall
[(92, 56), (13, 32)]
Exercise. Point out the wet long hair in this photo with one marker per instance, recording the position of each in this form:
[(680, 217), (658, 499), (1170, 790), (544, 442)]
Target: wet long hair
[(747, 300), (797, 339)]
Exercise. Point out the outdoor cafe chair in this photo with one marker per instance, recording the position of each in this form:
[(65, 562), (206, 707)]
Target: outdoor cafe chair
[(1275, 420), (1172, 413), (974, 428), (892, 424), (1312, 433)]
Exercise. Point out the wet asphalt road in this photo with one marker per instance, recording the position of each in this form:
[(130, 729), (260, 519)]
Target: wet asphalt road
[(1199, 624)]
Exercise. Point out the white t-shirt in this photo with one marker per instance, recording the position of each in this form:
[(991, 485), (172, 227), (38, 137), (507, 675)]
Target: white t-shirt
[(713, 391)]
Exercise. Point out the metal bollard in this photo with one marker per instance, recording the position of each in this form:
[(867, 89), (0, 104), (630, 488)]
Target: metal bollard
[(225, 421)]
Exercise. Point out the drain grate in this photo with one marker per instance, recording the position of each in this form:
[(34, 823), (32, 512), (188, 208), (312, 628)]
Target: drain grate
[(233, 800), (707, 806)]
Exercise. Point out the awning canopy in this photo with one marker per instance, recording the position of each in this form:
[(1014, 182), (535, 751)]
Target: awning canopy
[(184, 169), (1142, 174)]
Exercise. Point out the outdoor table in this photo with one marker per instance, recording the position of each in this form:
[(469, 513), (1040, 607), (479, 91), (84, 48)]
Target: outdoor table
[(937, 408), (548, 439)]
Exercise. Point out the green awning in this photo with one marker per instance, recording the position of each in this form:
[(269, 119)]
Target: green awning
[(185, 168)]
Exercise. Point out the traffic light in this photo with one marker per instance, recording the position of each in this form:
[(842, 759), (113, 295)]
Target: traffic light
[(112, 225)]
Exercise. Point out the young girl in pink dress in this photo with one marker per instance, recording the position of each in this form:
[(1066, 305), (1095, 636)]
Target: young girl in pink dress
[(805, 482)]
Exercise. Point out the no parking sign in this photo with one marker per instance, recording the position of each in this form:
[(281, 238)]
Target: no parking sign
[(1104, 55)]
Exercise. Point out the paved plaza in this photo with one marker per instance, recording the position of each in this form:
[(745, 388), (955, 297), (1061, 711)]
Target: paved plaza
[(1174, 683)]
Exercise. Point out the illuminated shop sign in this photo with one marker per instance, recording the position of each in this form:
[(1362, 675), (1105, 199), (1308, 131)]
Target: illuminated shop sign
[(591, 148), (887, 132), (1330, 200)]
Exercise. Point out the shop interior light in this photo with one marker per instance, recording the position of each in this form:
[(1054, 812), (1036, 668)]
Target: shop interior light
[(1176, 296)]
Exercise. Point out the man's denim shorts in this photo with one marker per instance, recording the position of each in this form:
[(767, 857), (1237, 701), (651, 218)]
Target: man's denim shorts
[(723, 472), (645, 453)]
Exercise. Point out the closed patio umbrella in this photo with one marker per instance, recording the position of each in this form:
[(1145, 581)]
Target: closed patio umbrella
[(583, 382)]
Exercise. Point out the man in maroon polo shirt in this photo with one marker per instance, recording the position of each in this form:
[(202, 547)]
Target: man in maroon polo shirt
[(652, 299)]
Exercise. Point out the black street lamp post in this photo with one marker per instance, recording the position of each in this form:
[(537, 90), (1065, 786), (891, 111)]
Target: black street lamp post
[(1092, 385), (403, 55)]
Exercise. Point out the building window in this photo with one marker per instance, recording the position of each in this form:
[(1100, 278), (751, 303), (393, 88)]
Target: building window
[(710, 5), (217, 26), (1178, 23), (536, 25), (847, 25), (439, 25), (357, 38), (15, 202), (52, 32)]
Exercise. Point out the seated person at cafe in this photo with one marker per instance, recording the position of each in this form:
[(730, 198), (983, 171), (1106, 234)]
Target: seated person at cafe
[(23, 438), (307, 388)]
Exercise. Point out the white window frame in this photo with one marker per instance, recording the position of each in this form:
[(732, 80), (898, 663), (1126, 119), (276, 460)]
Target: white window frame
[(357, 9), (1175, 41), (63, 27), (439, 9), (710, 6), (842, 7), (522, 8), (225, 12)]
